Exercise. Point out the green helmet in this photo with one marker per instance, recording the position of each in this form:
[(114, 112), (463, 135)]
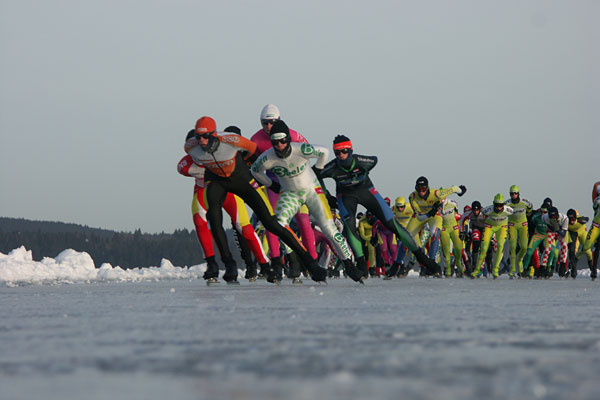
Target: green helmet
[(498, 199), (514, 189)]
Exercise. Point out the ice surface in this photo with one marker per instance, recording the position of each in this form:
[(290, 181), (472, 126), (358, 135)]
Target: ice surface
[(158, 337)]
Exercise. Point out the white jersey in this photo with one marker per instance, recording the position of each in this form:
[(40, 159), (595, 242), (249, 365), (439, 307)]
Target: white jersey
[(448, 212), (562, 223), (294, 171)]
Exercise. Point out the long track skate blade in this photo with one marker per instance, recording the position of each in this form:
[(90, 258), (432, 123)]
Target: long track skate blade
[(212, 281), (233, 283)]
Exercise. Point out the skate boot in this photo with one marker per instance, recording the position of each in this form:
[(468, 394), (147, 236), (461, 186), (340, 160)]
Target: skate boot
[(231, 272), (294, 269), (250, 272), (392, 271), (459, 273), (448, 272), (593, 270), (468, 268), (431, 267), (549, 272), (263, 271), (573, 268), (404, 270), (352, 271), (317, 273), (372, 272), (361, 264), (275, 272), (212, 269), (562, 270)]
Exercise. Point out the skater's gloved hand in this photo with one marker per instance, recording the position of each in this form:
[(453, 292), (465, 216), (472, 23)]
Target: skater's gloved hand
[(434, 209), (562, 232), (374, 241), (275, 186), (462, 236), (551, 228), (332, 202), (316, 170), (463, 189)]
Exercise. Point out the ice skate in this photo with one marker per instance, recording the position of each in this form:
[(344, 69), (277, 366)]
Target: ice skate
[(317, 273), (212, 281), (352, 271)]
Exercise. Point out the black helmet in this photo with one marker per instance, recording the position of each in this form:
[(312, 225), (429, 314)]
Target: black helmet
[(281, 133), (476, 205), (422, 182), (553, 212), (233, 129), (547, 203), (572, 214)]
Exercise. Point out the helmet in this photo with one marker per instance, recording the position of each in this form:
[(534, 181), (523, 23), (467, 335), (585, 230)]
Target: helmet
[(360, 214), (498, 199), (388, 201), (369, 216), (233, 129), (513, 189), (400, 201), (270, 111), (422, 182), (595, 191), (476, 205), (498, 202), (553, 212), (572, 213), (466, 208), (547, 203), (206, 125), (281, 133)]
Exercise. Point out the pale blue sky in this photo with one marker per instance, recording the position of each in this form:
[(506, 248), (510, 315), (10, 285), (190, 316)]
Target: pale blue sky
[(96, 96)]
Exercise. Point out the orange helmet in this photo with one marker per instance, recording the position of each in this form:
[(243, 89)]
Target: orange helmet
[(206, 125)]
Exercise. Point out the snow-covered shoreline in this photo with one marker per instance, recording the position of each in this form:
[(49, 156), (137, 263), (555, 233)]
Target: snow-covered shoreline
[(70, 266)]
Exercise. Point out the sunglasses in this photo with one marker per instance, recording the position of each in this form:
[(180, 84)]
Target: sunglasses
[(266, 122), (400, 206), (204, 135), (279, 141), (511, 193), (342, 151)]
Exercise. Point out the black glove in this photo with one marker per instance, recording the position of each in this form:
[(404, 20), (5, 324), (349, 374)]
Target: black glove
[(434, 209), (562, 232), (583, 220), (275, 186), (374, 241), (332, 202), (462, 236), (316, 170), (463, 189), (551, 228)]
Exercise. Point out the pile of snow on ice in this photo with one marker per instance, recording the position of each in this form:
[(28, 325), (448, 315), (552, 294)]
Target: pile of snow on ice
[(70, 266)]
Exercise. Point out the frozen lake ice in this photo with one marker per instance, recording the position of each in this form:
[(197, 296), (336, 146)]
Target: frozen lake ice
[(406, 338)]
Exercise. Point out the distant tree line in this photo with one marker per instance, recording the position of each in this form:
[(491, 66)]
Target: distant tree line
[(124, 249)]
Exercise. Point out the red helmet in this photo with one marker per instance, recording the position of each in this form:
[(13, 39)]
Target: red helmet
[(206, 125)]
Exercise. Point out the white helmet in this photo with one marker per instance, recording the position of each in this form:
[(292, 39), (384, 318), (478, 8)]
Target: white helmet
[(270, 111)]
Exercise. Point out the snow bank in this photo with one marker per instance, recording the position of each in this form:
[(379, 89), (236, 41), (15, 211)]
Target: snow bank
[(70, 266)]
